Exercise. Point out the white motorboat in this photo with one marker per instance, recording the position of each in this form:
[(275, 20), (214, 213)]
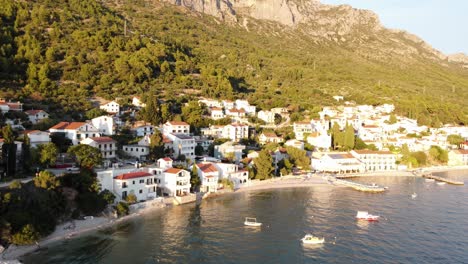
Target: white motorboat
[(441, 183), (310, 239), (430, 180), (250, 221), (414, 195), (364, 215)]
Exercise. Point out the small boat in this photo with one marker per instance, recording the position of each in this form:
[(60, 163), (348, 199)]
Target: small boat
[(250, 221), (364, 215), (430, 180), (441, 183), (414, 195), (310, 239)]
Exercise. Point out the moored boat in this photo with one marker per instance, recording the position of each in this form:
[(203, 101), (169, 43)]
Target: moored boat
[(364, 215), (430, 180), (310, 239), (441, 183), (250, 221)]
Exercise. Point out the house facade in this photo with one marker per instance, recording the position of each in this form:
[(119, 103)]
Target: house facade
[(136, 151), (75, 131), (111, 107), (141, 184), (174, 182), (376, 160), (176, 127), (209, 176), (35, 116), (229, 171), (37, 137), (106, 145), (235, 132), (104, 124)]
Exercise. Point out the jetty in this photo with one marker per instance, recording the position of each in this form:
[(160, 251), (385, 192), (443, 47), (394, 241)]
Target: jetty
[(360, 186), (437, 178)]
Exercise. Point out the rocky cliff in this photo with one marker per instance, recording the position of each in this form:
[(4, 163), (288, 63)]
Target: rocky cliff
[(347, 26)]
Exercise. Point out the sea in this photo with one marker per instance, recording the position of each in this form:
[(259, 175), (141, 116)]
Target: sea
[(431, 228)]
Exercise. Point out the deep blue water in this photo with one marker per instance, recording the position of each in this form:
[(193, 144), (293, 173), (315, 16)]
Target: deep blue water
[(433, 228)]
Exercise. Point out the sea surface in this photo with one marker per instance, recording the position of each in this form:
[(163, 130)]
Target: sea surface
[(432, 228)]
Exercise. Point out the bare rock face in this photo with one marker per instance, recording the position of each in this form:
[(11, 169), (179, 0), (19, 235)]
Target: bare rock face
[(459, 58), (342, 24)]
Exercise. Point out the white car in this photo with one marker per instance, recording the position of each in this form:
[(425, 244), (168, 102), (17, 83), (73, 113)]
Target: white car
[(73, 168)]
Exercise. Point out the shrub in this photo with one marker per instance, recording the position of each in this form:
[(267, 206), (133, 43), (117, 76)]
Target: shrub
[(131, 198), (122, 209), (26, 236)]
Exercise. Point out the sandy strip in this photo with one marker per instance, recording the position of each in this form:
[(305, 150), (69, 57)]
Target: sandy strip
[(63, 231)]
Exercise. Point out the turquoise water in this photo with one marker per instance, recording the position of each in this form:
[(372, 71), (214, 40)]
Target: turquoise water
[(432, 228)]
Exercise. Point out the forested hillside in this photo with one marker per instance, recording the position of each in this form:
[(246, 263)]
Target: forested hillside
[(61, 53)]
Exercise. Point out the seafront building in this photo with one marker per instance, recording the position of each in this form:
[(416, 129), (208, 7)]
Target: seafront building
[(376, 160)]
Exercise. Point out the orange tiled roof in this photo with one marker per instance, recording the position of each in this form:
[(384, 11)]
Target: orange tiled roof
[(173, 170), (132, 175), (207, 167)]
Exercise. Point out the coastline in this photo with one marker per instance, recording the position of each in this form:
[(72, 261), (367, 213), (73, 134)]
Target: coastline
[(83, 227)]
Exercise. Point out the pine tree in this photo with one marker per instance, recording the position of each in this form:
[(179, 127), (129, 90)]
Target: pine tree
[(194, 179), (349, 137), (26, 153), (263, 165)]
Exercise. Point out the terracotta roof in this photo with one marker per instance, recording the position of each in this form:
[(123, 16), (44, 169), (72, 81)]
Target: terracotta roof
[(33, 112), (132, 175), (216, 109), (173, 170), (365, 151), (102, 139), (370, 126), (461, 151), (207, 167), (177, 123), (167, 159), (166, 140), (270, 135), (68, 125)]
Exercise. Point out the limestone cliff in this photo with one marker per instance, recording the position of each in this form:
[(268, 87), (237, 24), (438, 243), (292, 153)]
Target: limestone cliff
[(343, 24)]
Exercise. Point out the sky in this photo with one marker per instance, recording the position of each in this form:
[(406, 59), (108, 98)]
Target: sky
[(441, 23)]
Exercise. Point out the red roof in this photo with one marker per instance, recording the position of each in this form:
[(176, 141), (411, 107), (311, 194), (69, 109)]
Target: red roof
[(33, 112), (68, 125), (132, 175), (207, 167), (173, 170), (102, 139), (167, 159), (178, 123), (462, 151)]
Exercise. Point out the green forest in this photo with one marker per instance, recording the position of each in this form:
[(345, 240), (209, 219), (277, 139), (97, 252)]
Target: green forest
[(60, 54)]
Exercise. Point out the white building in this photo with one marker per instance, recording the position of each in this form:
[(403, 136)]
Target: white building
[(141, 184), (235, 131), (174, 182), (376, 160), (76, 131), (244, 104), (176, 127), (136, 101), (301, 129), (295, 144), (183, 144), (227, 104), (214, 131), (229, 150), (141, 129), (236, 114), (136, 151), (458, 157), (105, 125), (164, 163), (336, 163), (216, 113), (211, 103), (111, 107), (320, 140), (209, 176), (35, 116), (229, 171), (267, 116), (106, 145), (6, 106), (269, 137), (37, 137)]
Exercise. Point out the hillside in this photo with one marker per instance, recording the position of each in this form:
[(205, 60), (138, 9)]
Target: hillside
[(60, 53)]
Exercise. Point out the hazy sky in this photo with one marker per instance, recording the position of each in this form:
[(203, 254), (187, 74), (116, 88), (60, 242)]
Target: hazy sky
[(441, 23)]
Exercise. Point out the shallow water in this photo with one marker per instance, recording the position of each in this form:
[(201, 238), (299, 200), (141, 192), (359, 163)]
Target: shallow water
[(432, 228)]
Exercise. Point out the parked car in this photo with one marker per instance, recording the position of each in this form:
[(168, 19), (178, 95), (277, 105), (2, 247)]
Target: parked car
[(73, 168)]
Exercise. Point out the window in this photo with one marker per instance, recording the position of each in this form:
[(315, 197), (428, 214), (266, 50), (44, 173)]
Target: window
[(141, 191), (142, 181), (133, 182)]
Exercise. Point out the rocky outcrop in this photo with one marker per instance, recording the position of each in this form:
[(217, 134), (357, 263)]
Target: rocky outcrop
[(459, 58), (340, 24)]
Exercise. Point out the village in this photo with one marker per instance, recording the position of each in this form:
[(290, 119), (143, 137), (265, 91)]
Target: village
[(127, 170)]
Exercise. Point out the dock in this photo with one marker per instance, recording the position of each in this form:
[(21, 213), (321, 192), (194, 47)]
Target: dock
[(359, 186), (437, 178)]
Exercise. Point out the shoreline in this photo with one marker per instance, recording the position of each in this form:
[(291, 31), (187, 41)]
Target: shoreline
[(84, 227)]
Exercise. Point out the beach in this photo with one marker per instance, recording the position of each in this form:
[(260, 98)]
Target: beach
[(77, 228)]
